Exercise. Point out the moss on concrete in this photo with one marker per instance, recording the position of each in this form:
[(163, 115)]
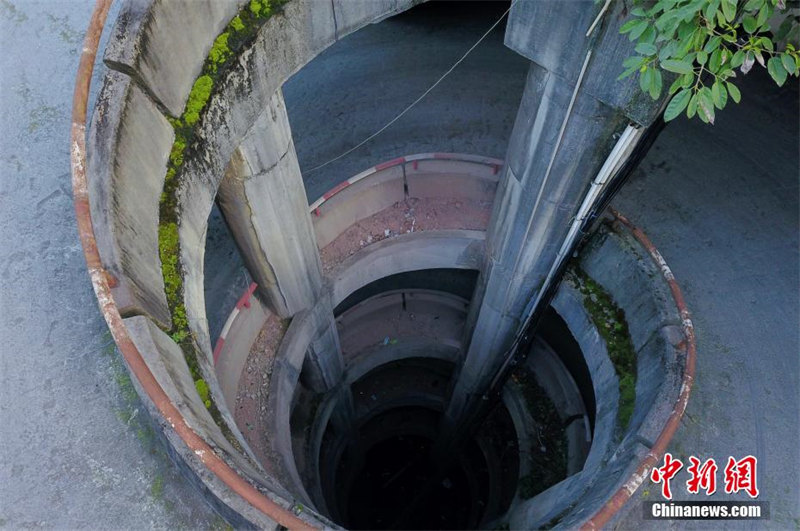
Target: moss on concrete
[(239, 33), (609, 319)]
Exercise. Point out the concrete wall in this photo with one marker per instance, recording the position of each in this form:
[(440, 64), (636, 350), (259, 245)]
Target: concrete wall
[(565, 129), (155, 53), (460, 249), (615, 260), (426, 175)]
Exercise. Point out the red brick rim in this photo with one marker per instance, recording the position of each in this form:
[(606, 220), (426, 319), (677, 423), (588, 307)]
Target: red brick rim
[(101, 279), (624, 493)]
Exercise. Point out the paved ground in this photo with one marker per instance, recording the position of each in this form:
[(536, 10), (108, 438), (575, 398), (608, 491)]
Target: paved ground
[(74, 452), (721, 204)]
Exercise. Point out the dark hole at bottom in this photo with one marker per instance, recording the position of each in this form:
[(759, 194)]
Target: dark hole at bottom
[(400, 486)]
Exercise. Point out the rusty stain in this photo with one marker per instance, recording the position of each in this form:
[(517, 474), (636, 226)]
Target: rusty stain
[(621, 496), (101, 282)]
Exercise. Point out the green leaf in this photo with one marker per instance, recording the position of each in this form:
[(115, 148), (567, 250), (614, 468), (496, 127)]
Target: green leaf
[(777, 71), (789, 63), (637, 29), (705, 105), (646, 79), (716, 60), (702, 57), (679, 67), (667, 51), (734, 92), (691, 110), (711, 9), (649, 34), (738, 59), (646, 49), (712, 44), (628, 26), (719, 95), (638, 12), (749, 23), (729, 10), (677, 104), (763, 14), (656, 84), (633, 62)]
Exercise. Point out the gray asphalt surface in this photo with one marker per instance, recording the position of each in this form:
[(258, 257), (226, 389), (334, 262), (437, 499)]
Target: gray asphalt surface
[(74, 450)]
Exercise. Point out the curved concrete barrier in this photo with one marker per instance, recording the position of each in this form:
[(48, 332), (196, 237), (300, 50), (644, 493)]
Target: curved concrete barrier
[(423, 175), (130, 142)]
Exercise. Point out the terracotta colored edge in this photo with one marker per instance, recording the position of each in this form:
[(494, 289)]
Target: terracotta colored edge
[(621, 496), (109, 308)]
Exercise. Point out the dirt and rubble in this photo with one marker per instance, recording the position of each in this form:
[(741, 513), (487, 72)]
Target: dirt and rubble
[(404, 217)]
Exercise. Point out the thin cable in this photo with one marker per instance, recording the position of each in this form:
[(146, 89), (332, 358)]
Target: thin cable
[(411, 106)]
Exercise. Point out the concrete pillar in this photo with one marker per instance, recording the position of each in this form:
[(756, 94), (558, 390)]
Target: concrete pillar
[(265, 206), (572, 109), (264, 203)]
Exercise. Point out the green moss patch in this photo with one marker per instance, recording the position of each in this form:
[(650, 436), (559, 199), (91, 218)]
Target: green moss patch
[(609, 319), (238, 34)]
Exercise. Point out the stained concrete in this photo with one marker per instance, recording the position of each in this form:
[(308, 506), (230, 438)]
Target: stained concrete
[(728, 228)]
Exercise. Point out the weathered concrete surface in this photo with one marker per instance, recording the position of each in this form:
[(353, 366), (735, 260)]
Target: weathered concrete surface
[(76, 448), (728, 228), (562, 136), (165, 42), (462, 249), (128, 145), (357, 85), (265, 206), (721, 204)]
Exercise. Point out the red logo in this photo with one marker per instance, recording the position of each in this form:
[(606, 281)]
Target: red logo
[(665, 473), (703, 476), (739, 475)]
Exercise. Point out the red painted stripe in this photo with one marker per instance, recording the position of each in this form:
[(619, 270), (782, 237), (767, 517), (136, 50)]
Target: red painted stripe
[(218, 349), (390, 163), (495, 169), (335, 190), (416, 164), (244, 301)]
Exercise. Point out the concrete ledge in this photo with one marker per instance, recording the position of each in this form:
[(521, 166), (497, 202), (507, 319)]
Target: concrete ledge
[(402, 316), (356, 202), (373, 358), (459, 249), (165, 360), (618, 263), (164, 43), (234, 344), (128, 145), (425, 175)]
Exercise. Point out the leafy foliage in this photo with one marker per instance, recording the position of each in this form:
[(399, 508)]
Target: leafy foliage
[(704, 43)]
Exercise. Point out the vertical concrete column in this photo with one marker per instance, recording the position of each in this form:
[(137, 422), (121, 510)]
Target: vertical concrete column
[(264, 203), (265, 206), (572, 109)]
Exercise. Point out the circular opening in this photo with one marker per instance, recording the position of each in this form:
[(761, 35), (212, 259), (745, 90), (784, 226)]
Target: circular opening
[(376, 463)]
